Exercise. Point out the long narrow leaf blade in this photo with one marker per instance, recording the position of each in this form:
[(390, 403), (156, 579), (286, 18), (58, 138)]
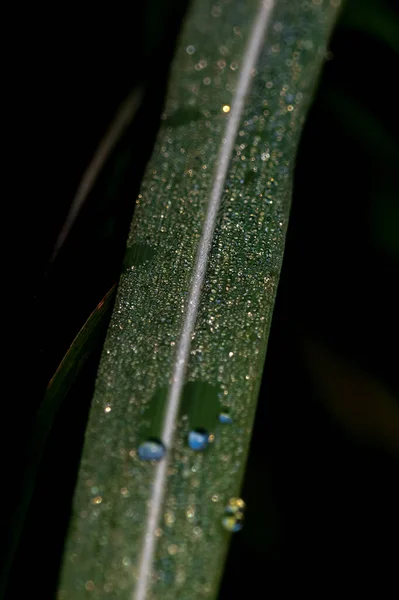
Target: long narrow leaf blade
[(184, 355)]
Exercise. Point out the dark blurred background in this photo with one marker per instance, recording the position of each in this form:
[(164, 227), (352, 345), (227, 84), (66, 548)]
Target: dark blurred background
[(322, 479)]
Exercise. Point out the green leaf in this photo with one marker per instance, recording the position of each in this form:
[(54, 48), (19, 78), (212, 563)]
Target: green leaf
[(74, 360), (189, 331)]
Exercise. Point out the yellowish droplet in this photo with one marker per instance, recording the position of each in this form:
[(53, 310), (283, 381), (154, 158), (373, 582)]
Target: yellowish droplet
[(190, 513), (173, 549), (180, 577), (97, 500), (90, 585), (235, 505), (169, 518), (226, 108)]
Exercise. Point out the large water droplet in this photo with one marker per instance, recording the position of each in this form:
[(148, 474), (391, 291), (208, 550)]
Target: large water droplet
[(151, 449), (225, 418), (198, 439), (233, 518)]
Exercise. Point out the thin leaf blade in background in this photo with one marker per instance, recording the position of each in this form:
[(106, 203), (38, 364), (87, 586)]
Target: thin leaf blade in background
[(85, 343), (198, 310)]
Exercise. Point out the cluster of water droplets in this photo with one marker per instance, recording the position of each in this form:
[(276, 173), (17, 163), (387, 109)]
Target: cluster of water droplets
[(198, 440), (233, 518)]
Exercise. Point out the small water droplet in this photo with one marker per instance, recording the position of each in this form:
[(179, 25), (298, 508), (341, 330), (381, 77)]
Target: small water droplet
[(169, 518), (173, 549), (233, 519), (190, 513), (151, 449), (233, 523), (90, 586), (225, 418), (198, 439), (234, 506)]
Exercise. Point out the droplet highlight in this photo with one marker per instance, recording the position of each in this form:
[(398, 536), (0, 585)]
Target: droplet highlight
[(151, 449), (198, 439), (233, 518)]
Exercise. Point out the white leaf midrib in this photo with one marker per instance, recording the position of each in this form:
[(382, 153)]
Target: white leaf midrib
[(261, 21)]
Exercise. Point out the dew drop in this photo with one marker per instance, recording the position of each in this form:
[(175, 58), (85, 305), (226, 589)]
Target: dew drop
[(233, 518), (233, 523), (198, 439), (225, 418), (234, 506), (151, 449), (90, 586)]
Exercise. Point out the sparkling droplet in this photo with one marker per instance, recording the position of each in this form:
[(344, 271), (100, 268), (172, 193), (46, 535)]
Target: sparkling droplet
[(233, 523), (152, 449), (234, 506), (198, 439), (225, 418), (233, 518)]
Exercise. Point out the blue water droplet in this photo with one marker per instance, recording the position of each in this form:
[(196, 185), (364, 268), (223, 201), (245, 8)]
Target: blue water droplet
[(198, 439), (151, 449), (225, 418)]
